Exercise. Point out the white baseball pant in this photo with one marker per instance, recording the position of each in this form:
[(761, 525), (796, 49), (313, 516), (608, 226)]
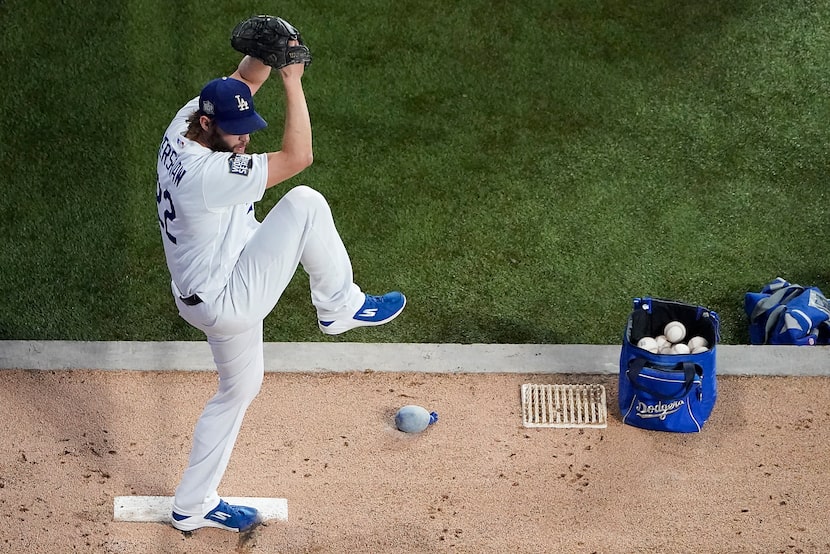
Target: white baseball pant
[(299, 229)]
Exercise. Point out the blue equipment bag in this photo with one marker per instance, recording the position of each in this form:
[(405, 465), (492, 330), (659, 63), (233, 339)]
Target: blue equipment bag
[(783, 313), (667, 392)]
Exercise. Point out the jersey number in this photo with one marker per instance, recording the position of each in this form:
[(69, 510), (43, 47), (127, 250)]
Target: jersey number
[(169, 215)]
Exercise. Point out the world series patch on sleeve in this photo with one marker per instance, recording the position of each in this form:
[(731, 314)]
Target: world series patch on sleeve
[(240, 164)]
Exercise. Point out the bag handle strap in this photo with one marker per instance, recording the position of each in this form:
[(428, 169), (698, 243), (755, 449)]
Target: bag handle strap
[(774, 306), (777, 298), (772, 321), (636, 365)]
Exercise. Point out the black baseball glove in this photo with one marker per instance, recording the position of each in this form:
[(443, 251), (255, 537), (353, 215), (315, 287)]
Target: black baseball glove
[(266, 38)]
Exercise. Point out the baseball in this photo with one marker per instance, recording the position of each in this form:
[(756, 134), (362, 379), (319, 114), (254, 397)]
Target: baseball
[(675, 331), (666, 349), (661, 341), (648, 343), (700, 349), (695, 342), (680, 348)]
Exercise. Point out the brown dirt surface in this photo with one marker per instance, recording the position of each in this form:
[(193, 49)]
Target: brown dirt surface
[(755, 480)]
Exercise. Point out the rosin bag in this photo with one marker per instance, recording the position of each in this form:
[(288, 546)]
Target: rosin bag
[(668, 391)]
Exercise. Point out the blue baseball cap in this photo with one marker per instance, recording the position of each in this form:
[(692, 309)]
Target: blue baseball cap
[(231, 105)]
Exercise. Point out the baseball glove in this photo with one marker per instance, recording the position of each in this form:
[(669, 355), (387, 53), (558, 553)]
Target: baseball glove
[(266, 38)]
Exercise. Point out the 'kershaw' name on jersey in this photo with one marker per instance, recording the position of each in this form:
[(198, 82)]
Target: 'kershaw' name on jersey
[(169, 159)]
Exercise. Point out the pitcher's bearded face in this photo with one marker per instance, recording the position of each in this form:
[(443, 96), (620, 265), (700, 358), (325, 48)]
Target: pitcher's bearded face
[(218, 140)]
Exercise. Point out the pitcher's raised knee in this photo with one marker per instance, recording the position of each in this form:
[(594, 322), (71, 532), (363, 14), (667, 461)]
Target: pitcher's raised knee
[(305, 195)]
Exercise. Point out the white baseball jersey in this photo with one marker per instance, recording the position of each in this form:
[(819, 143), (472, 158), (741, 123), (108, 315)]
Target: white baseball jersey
[(205, 207)]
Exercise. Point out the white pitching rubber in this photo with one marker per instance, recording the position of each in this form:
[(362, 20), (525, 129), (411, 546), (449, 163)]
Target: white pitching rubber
[(159, 508)]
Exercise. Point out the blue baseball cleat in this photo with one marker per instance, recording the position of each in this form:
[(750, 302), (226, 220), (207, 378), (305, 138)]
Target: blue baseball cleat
[(224, 516), (376, 310)]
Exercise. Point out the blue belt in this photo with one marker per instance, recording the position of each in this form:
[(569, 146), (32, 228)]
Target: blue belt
[(191, 300)]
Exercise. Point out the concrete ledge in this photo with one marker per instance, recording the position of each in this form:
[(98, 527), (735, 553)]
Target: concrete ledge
[(391, 357)]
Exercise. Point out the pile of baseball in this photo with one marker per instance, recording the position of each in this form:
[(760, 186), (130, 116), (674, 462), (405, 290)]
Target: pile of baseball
[(672, 341)]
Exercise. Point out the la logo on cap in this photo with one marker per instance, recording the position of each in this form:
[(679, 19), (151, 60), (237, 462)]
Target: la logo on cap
[(230, 103)]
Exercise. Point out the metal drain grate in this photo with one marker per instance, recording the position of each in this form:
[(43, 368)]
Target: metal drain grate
[(564, 406)]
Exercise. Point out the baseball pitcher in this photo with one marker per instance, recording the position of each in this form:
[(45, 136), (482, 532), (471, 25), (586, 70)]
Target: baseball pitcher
[(227, 269)]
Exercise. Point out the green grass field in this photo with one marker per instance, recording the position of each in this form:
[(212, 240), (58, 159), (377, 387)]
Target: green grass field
[(521, 171)]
